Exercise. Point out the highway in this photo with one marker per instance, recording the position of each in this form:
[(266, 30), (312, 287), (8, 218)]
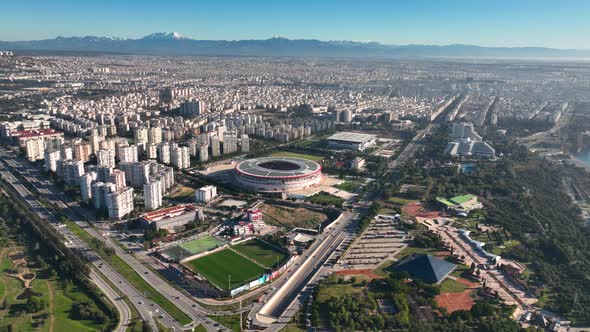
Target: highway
[(290, 291), (146, 307), (77, 244)]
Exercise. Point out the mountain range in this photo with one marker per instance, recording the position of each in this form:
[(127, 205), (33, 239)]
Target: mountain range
[(176, 44)]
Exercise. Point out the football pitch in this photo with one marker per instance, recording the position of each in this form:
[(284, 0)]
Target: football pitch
[(194, 247), (224, 265), (261, 253)]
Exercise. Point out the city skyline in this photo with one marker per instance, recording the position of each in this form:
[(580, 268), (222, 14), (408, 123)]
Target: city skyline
[(498, 24)]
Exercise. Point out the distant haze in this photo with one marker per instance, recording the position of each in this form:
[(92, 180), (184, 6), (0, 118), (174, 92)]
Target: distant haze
[(176, 44)]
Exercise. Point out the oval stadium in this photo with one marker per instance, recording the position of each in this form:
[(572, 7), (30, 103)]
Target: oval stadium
[(271, 174)]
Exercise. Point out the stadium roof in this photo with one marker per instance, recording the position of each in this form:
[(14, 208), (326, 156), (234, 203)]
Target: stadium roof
[(425, 267), (278, 167), (347, 136)]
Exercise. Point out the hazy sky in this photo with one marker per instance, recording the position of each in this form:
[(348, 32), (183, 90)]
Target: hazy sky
[(551, 23)]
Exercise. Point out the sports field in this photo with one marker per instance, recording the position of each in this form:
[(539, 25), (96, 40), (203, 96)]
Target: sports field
[(261, 253), (297, 155), (194, 247), (217, 266)]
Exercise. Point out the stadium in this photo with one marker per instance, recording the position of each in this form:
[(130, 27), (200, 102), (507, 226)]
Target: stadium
[(272, 174)]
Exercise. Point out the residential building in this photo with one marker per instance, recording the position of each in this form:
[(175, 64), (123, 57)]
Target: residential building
[(205, 194), (152, 194)]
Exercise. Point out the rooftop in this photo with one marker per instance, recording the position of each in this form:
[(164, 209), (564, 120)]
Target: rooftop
[(425, 267), (167, 213), (352, 137)]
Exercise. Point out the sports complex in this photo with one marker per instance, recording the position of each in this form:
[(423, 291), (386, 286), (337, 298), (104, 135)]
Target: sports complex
[(271, 174), (193, 247), (240, 267)]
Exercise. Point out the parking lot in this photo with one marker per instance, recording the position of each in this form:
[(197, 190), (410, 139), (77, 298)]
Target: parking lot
[(379, 243)]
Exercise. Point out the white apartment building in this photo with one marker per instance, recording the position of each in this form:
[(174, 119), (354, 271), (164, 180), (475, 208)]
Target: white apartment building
[(35, 149), (106, 158), (51, 158), (180, 157), (152, 194), (205, 194), (245, 143), (164, 153), (120, 203), (128, 154)]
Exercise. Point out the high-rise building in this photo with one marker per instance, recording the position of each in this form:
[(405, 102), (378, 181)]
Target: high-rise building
[(118, 178), (245, 143), (67, 152), (191, 108), (151, 151), (70, 170), (204, 152), (215, 150), (152, 194), (86, 181), (106, 158), (230, 143), (35, 149), (155, 135), (120, 203), (103, 173), (220, 131), (164, 153), (180, 157), (51, 158), (128, 154), (347, 115), (82, 151), (205, 194), (140, 135), (100, 190), (95, 142)]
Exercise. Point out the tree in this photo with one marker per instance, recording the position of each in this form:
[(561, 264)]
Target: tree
[(35, 304)]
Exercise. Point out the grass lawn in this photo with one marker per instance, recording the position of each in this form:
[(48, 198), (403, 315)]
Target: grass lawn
[(336, 290), (349, 186), (324, 198), (261, 253), (41, 321), (132, 277), (194, 247), (297, 155), (200, 328), (232, 322), (292, 217), (452, 286), (184, 192), (400, 200), (217, 266), (292, 327)]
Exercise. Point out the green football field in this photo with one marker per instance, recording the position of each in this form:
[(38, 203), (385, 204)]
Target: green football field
[(217, 266), (261, 253), (297, 155), (194, 247)]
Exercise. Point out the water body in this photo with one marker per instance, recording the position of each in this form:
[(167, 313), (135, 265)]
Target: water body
[(584, 157)]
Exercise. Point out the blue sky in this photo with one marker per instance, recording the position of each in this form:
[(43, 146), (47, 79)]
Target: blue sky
[(550, 23)]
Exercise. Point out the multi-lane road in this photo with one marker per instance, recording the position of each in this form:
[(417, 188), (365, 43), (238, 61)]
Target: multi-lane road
[(75, 244), (278, 307), (145, 307)]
